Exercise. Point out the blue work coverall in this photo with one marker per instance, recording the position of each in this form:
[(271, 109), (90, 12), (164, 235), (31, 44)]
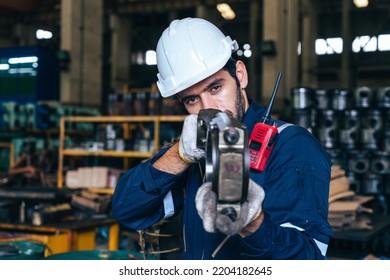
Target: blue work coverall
[(296, 184)]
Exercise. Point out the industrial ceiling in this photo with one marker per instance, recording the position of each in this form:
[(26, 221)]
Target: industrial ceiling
[(151, 13), (150, 17)]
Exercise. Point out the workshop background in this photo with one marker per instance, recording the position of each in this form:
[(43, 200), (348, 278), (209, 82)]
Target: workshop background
[(79, 106)]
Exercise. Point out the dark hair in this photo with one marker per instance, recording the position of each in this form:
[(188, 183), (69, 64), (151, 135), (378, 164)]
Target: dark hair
[(230, 67)]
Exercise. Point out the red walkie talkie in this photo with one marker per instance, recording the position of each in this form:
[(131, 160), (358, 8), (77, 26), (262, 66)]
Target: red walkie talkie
[(263, 136)]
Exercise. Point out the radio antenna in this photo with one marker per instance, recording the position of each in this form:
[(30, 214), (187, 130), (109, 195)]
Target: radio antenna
[(271, 102)]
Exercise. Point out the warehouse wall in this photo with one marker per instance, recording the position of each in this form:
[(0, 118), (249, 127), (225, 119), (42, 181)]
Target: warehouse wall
[(102, 36)]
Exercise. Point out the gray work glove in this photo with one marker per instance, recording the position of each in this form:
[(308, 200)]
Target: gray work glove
[(206, 204), (188, 150)]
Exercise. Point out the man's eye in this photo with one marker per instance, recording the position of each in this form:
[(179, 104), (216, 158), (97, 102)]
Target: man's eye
[(215, 88), (191, 100)]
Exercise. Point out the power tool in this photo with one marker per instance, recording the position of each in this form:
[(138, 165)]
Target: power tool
[(227, 159), (263, 136)]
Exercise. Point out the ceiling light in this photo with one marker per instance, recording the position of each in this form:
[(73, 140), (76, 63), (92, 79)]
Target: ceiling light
[(150, 57), (226, 11), (25, 59), (360, 3), (4, 66), (43, 34)]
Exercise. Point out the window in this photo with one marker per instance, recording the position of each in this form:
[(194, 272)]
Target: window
[(329, 46), (363, 43), (384, 42)]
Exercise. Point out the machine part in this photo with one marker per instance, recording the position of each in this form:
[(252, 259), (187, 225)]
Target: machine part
[(45, 214), (358, 161), (368, 139), (349, 129), (91, 202), (204, 119), (302, 97), (383, 97), (321, 99), (341, 99), (304, 118), (386, 185), (350, 119), (380, 162), (327, 137), (372, 119), (327, 126), (337, 157), (110, 137), (206, 51), (371, 184), (385, 145), (93, 146), (364, 97), (227, 159), (371, 128), (380, 204), (354, 182), (386, 141)]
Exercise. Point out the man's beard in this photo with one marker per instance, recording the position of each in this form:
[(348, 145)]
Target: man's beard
[(239, 105)]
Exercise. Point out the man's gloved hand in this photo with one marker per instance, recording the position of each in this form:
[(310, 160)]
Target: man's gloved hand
[(188, 151), (206, 204)]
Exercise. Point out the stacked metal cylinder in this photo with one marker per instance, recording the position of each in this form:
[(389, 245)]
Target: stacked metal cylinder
[(354, 126)]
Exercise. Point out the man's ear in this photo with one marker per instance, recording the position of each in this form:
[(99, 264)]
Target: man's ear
[(242, 74)]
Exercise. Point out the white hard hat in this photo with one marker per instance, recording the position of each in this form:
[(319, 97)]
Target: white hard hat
[(188, 51)]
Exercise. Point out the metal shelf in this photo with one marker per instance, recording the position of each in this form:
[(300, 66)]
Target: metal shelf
[(134, 154), (126, 120)]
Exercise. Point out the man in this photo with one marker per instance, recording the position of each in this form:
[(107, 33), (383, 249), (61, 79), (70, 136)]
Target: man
[(290, 222)]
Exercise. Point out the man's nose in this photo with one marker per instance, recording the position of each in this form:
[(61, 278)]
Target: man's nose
[(208, 102)]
